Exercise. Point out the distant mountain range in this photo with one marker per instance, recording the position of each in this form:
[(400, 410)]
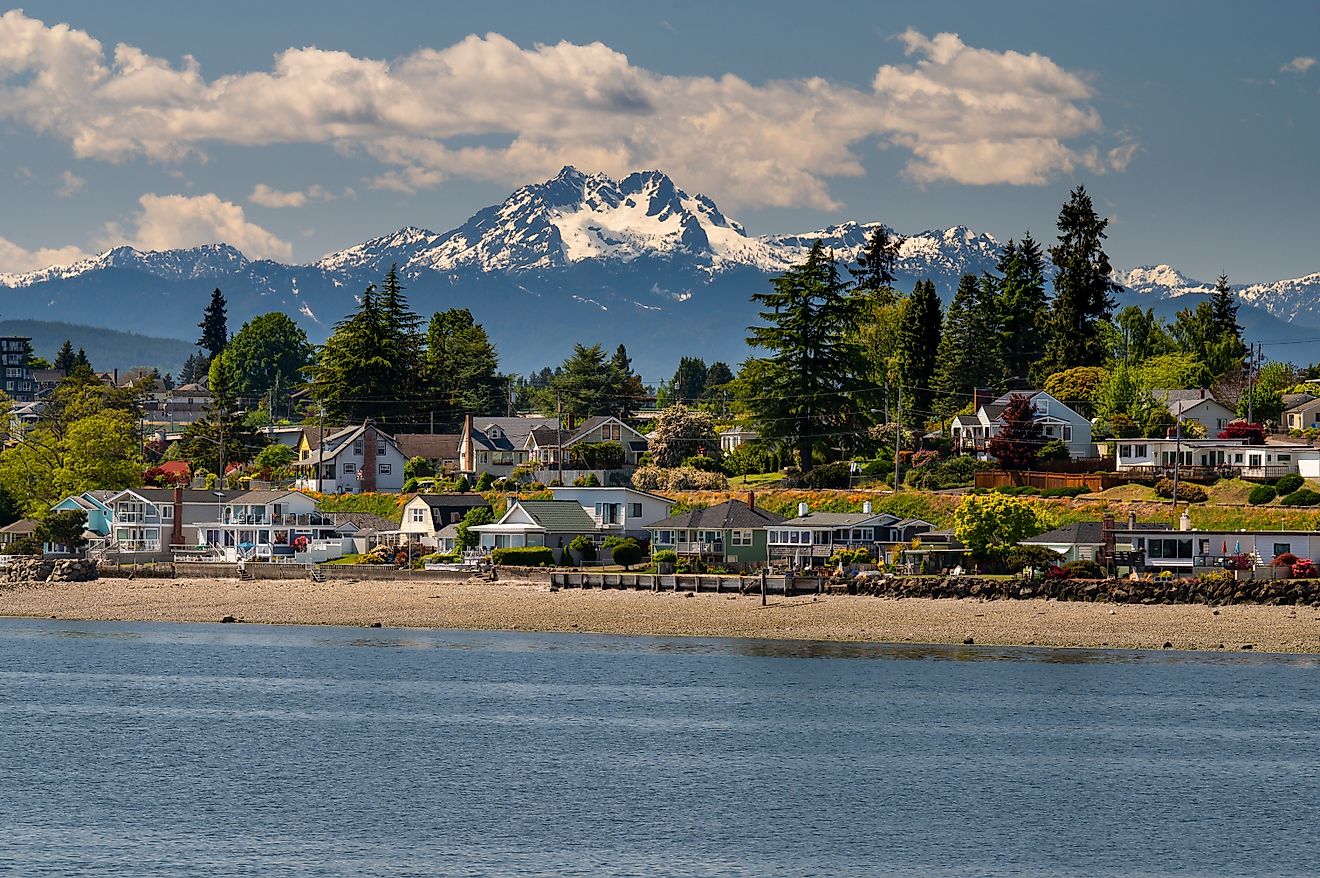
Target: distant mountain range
[(580, 257)]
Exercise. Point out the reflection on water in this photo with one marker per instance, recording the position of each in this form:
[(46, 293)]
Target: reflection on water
[(131, 749)]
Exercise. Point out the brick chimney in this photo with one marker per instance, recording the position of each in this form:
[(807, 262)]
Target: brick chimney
[(368, 466), (751, 499), (1107, 537), (468, 456), (176, 535)]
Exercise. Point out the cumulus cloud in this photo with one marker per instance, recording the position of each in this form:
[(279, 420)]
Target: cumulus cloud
[(169, 221), (268, 197), (70, 185), (1300, 64), (487, 108), (15, 259)]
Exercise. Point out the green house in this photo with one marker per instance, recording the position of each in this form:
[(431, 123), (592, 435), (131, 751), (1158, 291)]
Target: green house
[(730, 533)]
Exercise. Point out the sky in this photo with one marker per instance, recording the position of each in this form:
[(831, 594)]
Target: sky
[(291, 130)]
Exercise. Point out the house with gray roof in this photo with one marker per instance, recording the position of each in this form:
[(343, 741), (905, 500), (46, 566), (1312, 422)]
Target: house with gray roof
[(356, 459), (1197, 406), (1076, 541), (498, 445), (813, 537), (972, 433), (425, 515), (552, 523), (732, 532)]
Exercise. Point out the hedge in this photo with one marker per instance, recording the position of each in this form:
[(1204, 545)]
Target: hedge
[(1261, 494), (1301, 497), (1288, 484), (524, 556)]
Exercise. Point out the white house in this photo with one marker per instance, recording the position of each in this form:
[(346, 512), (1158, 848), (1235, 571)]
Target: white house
[(735, 436), (1197, 406), (351, 461), (616, 510), (1213, 457), (552, 523), (1305, 415), (426, 515), (275, 526), (498, 445), (1057, 422)]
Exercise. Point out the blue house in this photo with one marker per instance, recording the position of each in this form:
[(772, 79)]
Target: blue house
[(93, 503)]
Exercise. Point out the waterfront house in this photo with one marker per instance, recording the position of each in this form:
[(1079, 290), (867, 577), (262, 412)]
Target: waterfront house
[(813, 537), (1209, 459), (93, 504), (616, 510), (425, 515), (972, 433), (274, 526), (354, 460), (149, 521), (16, 531), (732, 532), (1077, 541), (552, 523)]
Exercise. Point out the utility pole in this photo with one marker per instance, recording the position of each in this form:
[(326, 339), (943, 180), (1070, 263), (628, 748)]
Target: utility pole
[(1251, 383), (559, 436), (1177, 459), (898, 434)]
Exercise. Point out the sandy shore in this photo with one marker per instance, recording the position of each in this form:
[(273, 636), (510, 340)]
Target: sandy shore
[(508, 606)]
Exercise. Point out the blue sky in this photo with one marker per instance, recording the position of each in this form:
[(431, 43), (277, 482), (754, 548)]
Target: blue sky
[(1194, 125)]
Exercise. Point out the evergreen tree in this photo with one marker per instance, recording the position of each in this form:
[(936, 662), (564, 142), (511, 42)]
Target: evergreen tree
[(462, 371), (1021, 307), (1082, 285), (81, 361), (352, 376), (810, 393), (66, 359), (587, 383), (716, 390), (1225, 310), (631, 392), (874, 273), (689, 380), (918, 345), (404, 336), (968, 353), (214, 326)]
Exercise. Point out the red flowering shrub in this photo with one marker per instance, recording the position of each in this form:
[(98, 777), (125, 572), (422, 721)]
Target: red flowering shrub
[(1304, 569)]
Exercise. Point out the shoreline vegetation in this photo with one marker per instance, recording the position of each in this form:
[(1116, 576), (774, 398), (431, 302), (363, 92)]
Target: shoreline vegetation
[(514, 606)]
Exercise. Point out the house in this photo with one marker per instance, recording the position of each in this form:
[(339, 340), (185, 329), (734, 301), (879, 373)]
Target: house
[(93, 504), (934, 551), (813, 537), (16, 531), (735, 436), (46, 380), (274, 526), (148, 521), (24, 416), (1201, 459), (1197, 406), (1078, 541), (425, 515), (18, 383), (446, 539), (354, 460), (971, 433), (617, 510), (440, 449), (732, 532), (367, 529), (498, 445), (1303, 415), (552, 523)]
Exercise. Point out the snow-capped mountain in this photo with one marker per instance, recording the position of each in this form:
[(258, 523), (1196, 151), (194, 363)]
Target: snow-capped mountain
[(579, 257)]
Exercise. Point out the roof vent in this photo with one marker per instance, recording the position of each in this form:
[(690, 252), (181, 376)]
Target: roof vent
[(866, 507), (803, 509)]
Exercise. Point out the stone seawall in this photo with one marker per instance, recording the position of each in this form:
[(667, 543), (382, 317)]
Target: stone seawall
[(1119, 591)]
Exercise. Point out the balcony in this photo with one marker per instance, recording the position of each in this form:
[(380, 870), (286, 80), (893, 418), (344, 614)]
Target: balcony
[(136, 517), (700, 548)]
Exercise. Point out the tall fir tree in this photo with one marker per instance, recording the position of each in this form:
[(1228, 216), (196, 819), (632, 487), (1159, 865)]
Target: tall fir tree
[(1021, 308), (1225, 309), (968, 356), (586, 384), (214, 326), (66, 359), (461, 373), (810, 393), (918, 347), (353, 377), (689, 380), (630, 391), (1082, 287), (874, 272)]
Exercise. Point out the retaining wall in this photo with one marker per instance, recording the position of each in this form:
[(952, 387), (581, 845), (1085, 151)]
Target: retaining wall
[(1119, 591)]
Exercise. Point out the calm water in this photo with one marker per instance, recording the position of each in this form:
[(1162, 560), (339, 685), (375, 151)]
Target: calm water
[(151, 750)]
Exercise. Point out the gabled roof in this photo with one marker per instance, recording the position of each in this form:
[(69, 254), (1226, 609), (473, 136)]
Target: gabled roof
[(1179, 406), (22, 526), (559, 516), (335, 444), (731, 514), (432, 446), (842, 519), (442, 501), (1078, 533), (1293, 400), (165, 496), (365, 522), (1184, 394), (993, 410), (515, 431), (448, 532)]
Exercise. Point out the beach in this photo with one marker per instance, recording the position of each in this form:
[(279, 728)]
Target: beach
[(509, 606)]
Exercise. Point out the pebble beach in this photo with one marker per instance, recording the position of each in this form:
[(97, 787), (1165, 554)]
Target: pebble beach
[(511, 606)]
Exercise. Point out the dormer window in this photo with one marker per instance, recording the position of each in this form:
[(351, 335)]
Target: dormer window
[(494, 432)]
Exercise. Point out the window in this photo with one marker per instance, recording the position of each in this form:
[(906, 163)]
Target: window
[(455, 517), (1067, 432), (483, 457), (634, 510), (611, 433), (742, 537), (1253, 460), (167, 512), (664, 537), (385, 469), (1285, 458), (357, 448), (418, 516), (1280, 548), (350, 468), (1237, 458), (1125, 451), (1138, 450)]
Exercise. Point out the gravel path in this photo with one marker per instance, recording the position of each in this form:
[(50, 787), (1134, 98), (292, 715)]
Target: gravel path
[(525, 607)]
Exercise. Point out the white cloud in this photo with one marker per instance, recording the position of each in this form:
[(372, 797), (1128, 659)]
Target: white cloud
[(1300, 64), (166, 222), (15, 259), (965, 114), (268, 197), (70, 184)]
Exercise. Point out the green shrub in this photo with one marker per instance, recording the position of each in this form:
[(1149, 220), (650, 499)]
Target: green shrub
[(585, 548), (1018, 557), (524, 556), (1084, 569), (665, 556), (1187, 492), (828, 475), (484, 482), (703, 462), (590, 480), (1065, 492), (1288, 484), (627, 552), (1261, 494), (1301, 497), (953, 472), (462, 486), (1055, 449)]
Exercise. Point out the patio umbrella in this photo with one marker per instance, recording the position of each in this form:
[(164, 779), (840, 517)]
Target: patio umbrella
[(1237, 548), (1224, 550)]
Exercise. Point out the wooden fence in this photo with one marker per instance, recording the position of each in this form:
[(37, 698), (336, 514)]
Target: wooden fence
[(1045, 481)]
